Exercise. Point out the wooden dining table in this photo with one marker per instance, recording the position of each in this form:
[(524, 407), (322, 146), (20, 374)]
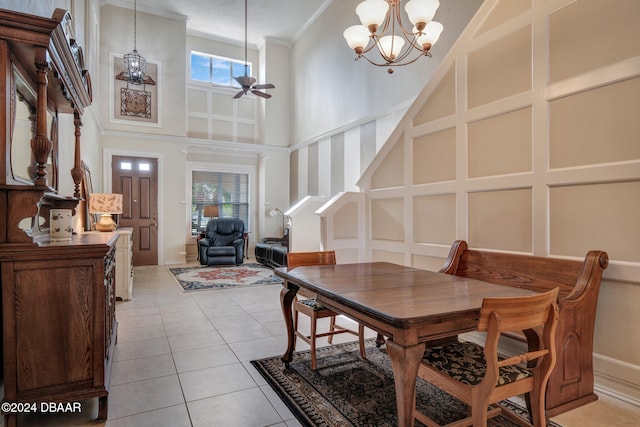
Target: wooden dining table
[(407, 305)]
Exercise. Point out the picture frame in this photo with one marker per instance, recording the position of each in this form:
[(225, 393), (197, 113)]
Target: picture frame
[(86, 189)]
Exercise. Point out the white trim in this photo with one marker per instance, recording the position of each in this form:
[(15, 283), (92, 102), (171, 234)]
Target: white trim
[(251, 170)]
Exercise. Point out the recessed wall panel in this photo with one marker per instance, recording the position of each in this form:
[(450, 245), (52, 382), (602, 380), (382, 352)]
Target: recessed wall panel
[(197, 100), (368, 145), (246, 108), (387, 219), (246, 133), (294, 175), (345, 225), (222, 130), (441, 103), (197, 127), (434, 219), (337, 163), (597, 126), (387, 256), (424, 262), (390, 172), (222, 104), (434, 157), (500, 145), (500, 69), (587, 35), (312, 170), (596, 216), (501, 220)]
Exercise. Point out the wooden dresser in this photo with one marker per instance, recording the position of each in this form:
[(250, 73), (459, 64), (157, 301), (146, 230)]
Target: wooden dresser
[(58, 298), (59, 323)]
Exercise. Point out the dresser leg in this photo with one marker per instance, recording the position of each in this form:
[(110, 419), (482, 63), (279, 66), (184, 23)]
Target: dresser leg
[(10, 420), (103, 408)]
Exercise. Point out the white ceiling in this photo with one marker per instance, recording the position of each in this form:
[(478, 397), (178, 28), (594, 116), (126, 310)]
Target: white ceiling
[(278, 19)]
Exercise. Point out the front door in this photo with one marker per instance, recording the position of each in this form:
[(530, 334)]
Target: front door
[(136, 178)]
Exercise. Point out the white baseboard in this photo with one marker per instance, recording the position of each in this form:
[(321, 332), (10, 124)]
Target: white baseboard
[(617, 379)]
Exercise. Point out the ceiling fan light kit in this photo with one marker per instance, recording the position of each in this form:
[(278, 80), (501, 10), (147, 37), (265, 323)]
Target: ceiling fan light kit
[(247, 82), (381, 27)]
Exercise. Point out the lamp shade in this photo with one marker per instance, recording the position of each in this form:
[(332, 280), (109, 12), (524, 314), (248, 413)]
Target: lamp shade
[(372, 12), (421, 10), (211, 211), (390, 46), (357, 36), (105, 203), (430, 35)]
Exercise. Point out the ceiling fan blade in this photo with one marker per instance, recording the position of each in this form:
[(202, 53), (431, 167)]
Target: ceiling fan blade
[(239, 94), (264, 86), (261, 94)]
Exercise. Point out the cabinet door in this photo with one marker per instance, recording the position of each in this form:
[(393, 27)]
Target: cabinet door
[(55, 323)]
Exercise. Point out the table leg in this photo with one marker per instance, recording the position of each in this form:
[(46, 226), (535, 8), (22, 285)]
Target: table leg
[(405, 362), (286, 302)]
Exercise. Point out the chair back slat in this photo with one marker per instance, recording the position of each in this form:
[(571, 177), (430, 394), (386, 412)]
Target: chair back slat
[(517, 313), (300, 259)]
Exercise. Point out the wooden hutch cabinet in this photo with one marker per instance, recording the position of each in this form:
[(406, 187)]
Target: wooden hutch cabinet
[(58, 298)]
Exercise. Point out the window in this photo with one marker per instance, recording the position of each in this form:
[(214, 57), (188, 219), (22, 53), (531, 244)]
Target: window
[(227, 190), (217, 69)]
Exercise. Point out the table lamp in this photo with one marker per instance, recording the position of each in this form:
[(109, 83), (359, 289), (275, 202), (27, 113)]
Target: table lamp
[(211, 211), (105, 204)]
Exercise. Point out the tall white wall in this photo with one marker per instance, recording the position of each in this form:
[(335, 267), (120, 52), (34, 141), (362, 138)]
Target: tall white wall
[(331, 90)]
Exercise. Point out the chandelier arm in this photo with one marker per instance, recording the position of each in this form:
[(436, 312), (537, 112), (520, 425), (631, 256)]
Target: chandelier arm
[(394, 63), (407, 51), (399, 20), (371, 45)]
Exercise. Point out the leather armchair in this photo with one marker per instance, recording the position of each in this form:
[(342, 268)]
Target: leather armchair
[(223, 242)]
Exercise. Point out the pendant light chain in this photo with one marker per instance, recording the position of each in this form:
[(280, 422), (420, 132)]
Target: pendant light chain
[(245, 38), (135, 15)]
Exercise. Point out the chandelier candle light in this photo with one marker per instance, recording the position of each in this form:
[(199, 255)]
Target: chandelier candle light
[(381, 19), (134, 63)]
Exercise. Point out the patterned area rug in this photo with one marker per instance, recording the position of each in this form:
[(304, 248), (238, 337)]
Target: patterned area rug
[(348, 391), (224, 277)]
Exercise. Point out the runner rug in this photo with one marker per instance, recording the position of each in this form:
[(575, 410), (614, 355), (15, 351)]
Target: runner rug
[(224, 277), (348, 391)]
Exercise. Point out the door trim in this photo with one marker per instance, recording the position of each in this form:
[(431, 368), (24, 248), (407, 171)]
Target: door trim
[(107, 157)]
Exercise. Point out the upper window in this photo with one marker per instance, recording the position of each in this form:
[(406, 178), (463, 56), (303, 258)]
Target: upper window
[(217, 69)]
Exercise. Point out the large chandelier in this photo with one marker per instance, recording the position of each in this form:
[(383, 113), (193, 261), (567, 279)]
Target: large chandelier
[(382, 28), (134, 63)]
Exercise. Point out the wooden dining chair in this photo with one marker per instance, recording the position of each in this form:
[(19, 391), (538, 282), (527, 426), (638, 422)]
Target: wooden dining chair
[(310, 307), (480, 377)]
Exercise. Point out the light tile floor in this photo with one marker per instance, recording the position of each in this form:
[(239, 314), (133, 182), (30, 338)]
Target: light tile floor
[(182, 359)]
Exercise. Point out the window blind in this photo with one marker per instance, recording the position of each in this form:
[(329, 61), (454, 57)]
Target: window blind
[(227, 190)]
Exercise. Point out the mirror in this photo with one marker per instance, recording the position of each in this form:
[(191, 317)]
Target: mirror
[(24, 101)]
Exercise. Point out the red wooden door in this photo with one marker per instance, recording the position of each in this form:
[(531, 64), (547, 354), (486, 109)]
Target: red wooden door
[(136, 178)]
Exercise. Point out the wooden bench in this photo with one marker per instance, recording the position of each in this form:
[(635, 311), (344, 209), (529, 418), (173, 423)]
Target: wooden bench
[(571, 382)]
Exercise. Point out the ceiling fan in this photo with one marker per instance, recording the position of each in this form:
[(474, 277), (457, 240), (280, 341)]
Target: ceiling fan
[(248, 83)]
